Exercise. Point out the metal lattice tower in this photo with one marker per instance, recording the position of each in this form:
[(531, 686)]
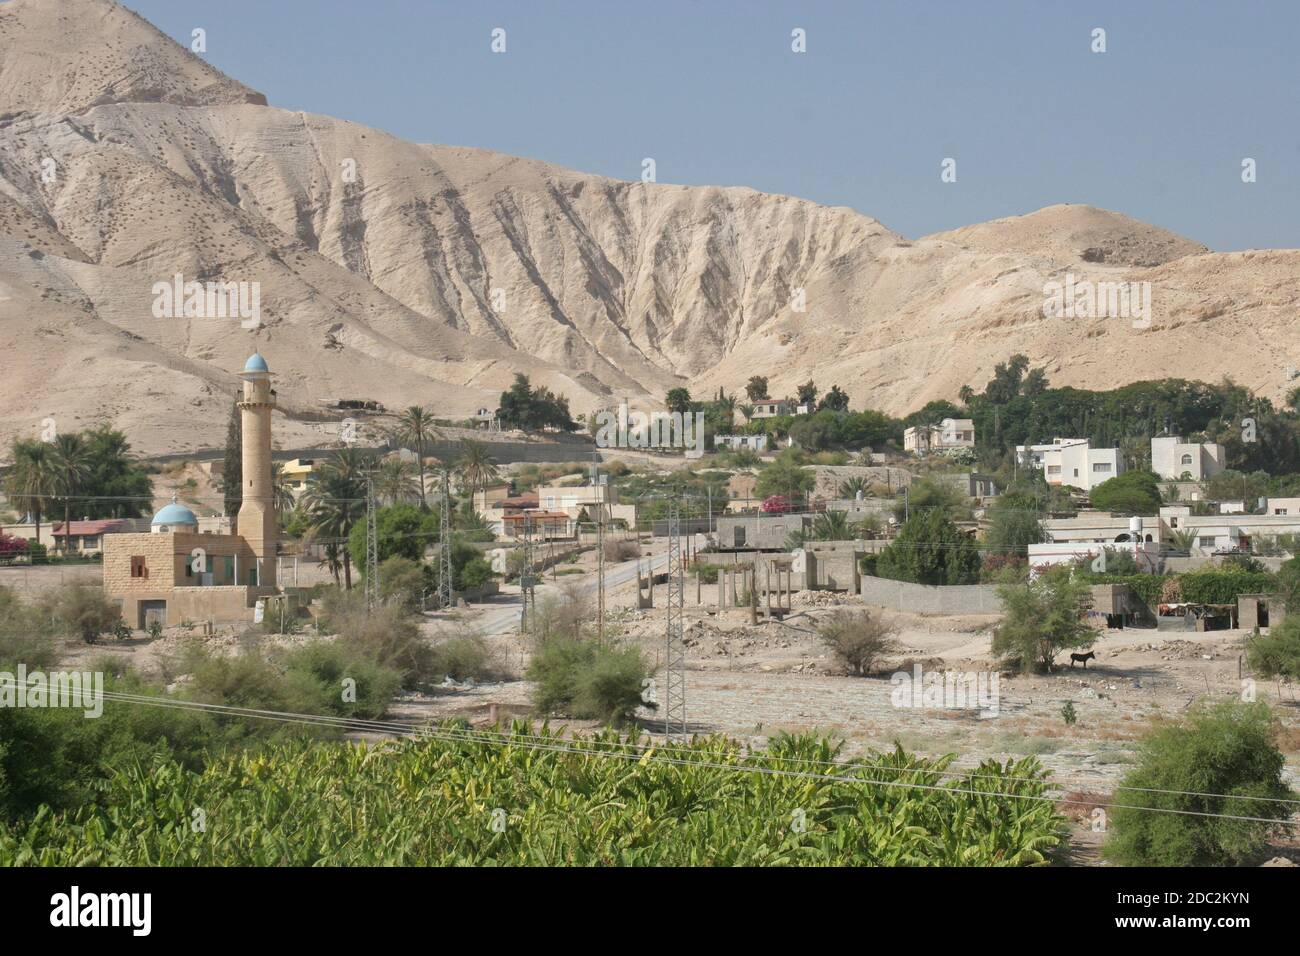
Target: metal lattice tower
[(444, 546), (675, 650), (527, 580), (372, 548)]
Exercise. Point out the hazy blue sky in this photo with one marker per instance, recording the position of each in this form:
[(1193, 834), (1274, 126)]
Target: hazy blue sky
[(1156, 127)]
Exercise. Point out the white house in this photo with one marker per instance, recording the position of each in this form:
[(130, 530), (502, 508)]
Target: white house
[(1073, 462), (1171, 457), (1282, 506), (949, 434), (755, 443)]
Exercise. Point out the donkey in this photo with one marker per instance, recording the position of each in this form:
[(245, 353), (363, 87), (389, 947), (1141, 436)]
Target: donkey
[(1082, 657)]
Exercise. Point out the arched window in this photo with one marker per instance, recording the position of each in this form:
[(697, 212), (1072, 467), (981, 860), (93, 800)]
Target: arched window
[(1187, 459)]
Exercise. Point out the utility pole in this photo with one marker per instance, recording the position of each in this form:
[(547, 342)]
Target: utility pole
[(444, 545), (372, 548), (527, 581), (675, 650)]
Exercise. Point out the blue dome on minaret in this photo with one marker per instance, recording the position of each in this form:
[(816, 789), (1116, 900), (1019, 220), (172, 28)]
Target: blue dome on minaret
[(256, 363)]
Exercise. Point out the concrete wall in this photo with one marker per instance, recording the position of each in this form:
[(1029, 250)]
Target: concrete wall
[(927, 599)]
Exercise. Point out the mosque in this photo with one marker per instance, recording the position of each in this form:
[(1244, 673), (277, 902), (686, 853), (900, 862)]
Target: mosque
[(174, 573)]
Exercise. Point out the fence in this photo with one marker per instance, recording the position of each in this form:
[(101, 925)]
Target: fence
[(931, 599)]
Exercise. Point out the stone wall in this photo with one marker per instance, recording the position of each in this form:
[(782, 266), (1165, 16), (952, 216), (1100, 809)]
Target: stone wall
[(928, 599)]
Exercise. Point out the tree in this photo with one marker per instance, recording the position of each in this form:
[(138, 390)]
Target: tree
[(832, 526), (784, 476), (1229, 485), (232, 472), (837, 400), (1132, 493), (1042, 617), (852, 487), (281, 488), (1219, 761), (32, 480), (82, 609), (474, 466), (930, 549), (679, 400), (335, 501), (524, 407), (117, 486), (70, 465), (1014, 525), (395, 482), (807, 393), (401, 530), (929, 494), (857, 639), (415, 427), (756, 388)]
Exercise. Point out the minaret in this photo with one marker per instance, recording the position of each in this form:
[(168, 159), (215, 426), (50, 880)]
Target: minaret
[(257, 511)]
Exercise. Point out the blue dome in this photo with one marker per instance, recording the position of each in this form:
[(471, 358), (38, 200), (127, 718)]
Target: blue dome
[(175, 514), (256, 363)]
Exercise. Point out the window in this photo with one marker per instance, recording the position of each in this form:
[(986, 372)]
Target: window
[(1173, 522), (1101, 466), (1279, 511), (138, 567), (1205, 542), (1187, 460), (1051, 469)]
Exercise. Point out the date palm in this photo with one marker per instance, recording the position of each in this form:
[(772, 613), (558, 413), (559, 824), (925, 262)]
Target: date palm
[(336, 500), (475, 467), (32, 480), (281, 488), (415, 428), (72, 467), (395, 481)]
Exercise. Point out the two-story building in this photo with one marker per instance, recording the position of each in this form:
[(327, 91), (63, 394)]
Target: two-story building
[(1073, 462)]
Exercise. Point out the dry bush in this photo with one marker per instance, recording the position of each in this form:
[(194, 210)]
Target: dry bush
[(622, 549), (857, 639)]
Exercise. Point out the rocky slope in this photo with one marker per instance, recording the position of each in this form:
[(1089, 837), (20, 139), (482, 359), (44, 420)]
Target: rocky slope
[(430, 274)]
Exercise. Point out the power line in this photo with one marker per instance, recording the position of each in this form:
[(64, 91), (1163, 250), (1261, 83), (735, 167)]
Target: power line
[(647, 756)]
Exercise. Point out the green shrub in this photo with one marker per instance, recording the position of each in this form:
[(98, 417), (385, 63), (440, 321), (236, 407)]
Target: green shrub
[(1276, 653), (464, 657), (587, 680), (1227, 752)]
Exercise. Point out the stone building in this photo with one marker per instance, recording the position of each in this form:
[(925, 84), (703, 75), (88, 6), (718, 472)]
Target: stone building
[(175, 572)]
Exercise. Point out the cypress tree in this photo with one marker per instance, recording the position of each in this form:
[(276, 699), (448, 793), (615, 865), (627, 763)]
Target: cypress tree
[(232, 475)]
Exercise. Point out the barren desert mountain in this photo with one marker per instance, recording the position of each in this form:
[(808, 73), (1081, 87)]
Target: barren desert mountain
[(409, 273)]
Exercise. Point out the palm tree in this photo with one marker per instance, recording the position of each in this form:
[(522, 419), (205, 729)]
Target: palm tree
[(71, 468), (415, 427), (332, 561), (336, 500), (281, 488), (32, 479), (394, 481), (475, 466), (832, 526), (851, 487)]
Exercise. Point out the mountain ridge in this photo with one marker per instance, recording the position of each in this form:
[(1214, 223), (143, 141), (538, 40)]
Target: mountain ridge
[(419, 273)]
